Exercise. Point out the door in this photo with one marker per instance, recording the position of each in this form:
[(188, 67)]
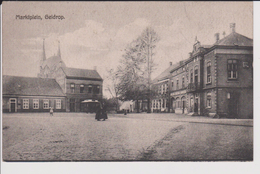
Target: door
[(183, 106), (72, 105), (12, 105), (196, 105), (233, 105)]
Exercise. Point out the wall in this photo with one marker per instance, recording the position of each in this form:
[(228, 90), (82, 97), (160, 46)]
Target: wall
[(19, 103), (245, 75)]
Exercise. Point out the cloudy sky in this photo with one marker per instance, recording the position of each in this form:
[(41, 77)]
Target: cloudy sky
[(96, 33)]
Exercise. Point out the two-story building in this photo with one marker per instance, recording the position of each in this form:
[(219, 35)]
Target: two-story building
[(216, 80)]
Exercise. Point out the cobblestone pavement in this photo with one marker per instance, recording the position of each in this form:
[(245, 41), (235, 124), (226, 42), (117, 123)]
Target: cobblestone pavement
[(79, 137)]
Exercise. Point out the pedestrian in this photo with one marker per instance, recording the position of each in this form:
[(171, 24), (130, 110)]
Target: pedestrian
[(98, 112), (51, 111), (104, 112)]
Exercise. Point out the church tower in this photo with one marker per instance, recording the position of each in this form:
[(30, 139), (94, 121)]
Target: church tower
[(58, 54)]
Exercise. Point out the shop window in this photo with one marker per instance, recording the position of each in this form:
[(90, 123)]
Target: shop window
[(45, 104), (72, 88), (208, 104), (177, 84), (81, 88), (232, 69), (209, 72), (25, 103), (58, 104), (35, 103)]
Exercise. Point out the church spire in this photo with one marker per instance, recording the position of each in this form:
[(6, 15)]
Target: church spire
[(43, 52), (58, 54)]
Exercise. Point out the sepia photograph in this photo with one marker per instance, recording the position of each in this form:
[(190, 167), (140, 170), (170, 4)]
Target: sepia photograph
[(127, 81)]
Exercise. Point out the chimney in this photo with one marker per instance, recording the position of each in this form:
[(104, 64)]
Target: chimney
[(170, 63), (233, 27), (95, 68), (217, 37)]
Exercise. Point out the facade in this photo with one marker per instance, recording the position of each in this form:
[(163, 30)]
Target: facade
[(30, 94), (215, 80)]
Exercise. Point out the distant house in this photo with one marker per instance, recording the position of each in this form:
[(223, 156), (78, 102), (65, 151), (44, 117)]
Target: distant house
[(215, 80), (32, 94)]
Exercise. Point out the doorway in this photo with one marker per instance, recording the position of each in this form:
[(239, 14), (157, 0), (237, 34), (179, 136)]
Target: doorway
[(233, 105), (72, 105), (12, 105)]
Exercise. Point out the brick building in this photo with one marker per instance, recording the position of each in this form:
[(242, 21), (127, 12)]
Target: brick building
[(215, 80), (31, 94)]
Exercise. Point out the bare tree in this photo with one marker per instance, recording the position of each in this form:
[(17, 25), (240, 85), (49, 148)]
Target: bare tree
[(134, 72)]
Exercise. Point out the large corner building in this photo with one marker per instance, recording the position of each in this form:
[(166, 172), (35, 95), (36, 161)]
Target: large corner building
[(216, 80)]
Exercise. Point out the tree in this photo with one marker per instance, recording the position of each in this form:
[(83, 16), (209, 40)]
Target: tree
[(134, 72), (113, 85)]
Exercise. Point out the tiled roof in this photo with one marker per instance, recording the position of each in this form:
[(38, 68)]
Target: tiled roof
[(83, 73), (235, 39), (31, 86)]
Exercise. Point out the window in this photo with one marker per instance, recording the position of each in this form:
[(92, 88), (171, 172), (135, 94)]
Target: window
[(177, 84), (163, 89), (232, 69), (160, 89), (166, 88), (72, 88), (58, 104), (154, 103), (96, 89), (35, 103), (209, 72), (89, 88), (45, 104), (172, 85), (208, 104), (25, 103), (191, 76), (183, 82), (81, 88)]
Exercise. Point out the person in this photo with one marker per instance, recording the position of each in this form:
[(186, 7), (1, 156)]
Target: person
[(51, 111), (98, 113), (104, 112)]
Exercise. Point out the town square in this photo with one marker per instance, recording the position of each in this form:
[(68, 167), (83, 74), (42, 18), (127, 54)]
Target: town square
[(128, 82)]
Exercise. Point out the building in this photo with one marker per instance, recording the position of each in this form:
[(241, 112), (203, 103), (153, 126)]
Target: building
[(216, 80), (76, 84), (32, 94), (55, 79)]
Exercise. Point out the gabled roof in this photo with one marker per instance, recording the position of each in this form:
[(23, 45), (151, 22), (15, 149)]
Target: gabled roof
[(52, 62), (31, 86), (235, 39), (81, 73)]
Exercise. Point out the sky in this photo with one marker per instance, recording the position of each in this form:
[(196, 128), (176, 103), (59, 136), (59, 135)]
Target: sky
[(96, 33)]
